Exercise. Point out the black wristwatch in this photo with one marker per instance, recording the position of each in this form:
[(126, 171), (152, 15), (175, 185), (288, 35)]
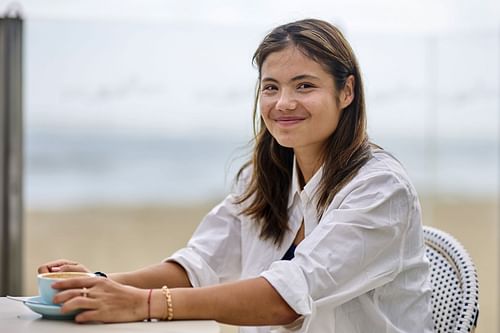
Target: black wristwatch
[(101, 274)]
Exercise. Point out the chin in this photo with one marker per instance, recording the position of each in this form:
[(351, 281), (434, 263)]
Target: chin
[(285, 143)]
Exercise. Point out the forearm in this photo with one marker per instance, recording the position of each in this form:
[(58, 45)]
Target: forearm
[(248, 302), (170, 274)]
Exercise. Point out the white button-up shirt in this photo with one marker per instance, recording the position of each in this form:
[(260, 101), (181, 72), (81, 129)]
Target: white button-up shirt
[(360, 268)]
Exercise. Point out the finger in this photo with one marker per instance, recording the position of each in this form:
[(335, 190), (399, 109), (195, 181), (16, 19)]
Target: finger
[(83, 303), (86, 316), (70, 268), (43, 269), (66, 295), (50, 266), (75, 283)]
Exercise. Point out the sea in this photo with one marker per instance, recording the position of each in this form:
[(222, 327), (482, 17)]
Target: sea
[(68, 170), (160, 112), (65, 170)]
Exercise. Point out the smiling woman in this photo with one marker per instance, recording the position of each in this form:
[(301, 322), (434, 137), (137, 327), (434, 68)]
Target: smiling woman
[(300, 106), (321, 233)]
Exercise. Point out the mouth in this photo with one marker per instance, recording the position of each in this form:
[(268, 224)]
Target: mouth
[(288, 121)]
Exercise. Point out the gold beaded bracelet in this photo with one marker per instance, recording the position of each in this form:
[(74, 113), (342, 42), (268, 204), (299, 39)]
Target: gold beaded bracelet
[(169, 309)]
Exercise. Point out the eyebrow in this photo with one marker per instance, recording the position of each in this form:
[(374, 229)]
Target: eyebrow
[(295, 78)]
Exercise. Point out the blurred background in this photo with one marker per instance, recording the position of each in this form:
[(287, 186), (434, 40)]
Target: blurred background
[(138, 114)]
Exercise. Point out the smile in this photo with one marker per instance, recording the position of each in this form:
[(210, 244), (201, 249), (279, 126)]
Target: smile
[(288, 121)]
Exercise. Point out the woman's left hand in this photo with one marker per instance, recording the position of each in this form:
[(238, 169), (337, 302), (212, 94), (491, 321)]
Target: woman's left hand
[(101, 300)]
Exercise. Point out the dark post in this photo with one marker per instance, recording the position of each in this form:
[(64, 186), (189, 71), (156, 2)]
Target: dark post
[(11, 155)]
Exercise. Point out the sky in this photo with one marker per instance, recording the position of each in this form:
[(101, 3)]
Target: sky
[(400, 15)]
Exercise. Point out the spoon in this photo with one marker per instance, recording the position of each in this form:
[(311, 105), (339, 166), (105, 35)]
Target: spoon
[(24, 299)]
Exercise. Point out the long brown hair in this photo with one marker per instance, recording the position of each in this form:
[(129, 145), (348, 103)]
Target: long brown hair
[(346, 150)]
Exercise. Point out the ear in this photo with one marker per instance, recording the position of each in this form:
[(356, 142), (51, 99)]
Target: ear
[(347, 93)]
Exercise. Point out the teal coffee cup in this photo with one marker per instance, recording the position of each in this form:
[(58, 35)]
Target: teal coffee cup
[(45, 281)]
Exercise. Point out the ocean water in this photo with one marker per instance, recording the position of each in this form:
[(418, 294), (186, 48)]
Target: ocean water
[(71, 169)]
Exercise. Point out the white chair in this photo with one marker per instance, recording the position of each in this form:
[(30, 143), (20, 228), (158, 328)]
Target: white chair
[(455, 288)]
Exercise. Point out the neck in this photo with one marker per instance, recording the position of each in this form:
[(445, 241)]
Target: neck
[(308, 166)]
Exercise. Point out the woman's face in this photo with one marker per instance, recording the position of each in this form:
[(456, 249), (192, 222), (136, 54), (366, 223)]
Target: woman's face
[(298, 101)]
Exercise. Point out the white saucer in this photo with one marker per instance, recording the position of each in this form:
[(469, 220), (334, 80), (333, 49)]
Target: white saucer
[(49, 311)]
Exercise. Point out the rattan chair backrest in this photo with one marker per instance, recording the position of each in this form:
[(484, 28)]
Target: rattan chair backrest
[(455, 287)]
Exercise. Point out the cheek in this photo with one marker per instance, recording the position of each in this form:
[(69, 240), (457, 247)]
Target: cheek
[(265, 108), (328, 119), (332, 123), (264, 113)]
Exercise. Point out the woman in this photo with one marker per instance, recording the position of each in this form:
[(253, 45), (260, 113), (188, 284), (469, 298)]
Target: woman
[(322, 232)]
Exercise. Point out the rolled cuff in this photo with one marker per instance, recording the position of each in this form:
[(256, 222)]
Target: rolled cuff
[(200, 274), (289, 281)]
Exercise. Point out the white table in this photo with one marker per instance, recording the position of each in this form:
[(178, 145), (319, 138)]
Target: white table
[(16, 317)]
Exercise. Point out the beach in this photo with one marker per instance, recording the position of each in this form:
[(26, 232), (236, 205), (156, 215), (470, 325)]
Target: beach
[(120, 238)]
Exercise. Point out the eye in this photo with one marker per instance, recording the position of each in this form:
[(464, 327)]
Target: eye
[(305, 86), (269, 88)]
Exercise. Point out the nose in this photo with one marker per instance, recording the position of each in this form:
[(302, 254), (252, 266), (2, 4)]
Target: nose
[(286, 101)]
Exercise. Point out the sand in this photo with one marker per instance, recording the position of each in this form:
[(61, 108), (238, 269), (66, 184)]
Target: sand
[(124, 238)]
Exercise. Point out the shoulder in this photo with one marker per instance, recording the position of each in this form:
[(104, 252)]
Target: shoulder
[(383, 164), (382, 176)]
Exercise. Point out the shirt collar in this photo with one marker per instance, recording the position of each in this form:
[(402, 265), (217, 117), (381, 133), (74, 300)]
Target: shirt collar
[(310, 188)]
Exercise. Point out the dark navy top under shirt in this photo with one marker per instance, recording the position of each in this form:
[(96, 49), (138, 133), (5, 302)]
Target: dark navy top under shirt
[(290, 253)]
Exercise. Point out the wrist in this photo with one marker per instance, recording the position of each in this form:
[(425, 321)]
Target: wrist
[(120, 278), (157, 305), (144, 305), (161, 306), (101, 274), (138, 303)]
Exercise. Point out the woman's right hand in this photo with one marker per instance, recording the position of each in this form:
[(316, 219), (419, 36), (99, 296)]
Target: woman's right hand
[(62, 265)]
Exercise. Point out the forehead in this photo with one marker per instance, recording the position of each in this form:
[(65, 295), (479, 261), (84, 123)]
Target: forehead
[(290, 61)]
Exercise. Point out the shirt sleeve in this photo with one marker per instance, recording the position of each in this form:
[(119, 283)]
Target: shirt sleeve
[(213, 254), (355, 248)]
